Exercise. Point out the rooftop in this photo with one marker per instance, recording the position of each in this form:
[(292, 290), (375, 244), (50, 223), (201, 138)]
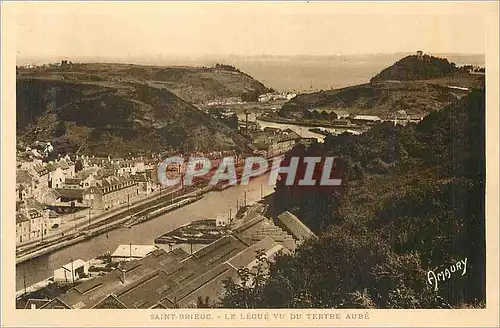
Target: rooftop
[(23, 177), (33, 203), (40, 169), (294, 226), (140, 178), (20, 217), (341, 112), (161, 279), (90, 292), (72, 181), (36, 303), (367, 118), (70, 193), (52, 166), (133, 250), (75, 264)]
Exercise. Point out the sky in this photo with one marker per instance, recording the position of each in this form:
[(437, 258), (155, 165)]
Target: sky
[(121, 30)]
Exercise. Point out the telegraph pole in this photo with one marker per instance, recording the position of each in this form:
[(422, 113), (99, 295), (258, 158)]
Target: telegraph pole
[(24, 279), (90, 214), (230, 219), (246, 121), (261, 193), (72, 272)]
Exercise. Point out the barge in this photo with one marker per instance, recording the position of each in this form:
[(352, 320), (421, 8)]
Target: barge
[(196, 232)]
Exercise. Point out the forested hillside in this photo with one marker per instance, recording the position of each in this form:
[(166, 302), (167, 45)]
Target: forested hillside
[(412, 200)]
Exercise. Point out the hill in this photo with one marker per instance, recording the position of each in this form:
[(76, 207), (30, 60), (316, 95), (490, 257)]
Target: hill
[(192, 84), (382, 99), (97, 116), (416, 86), (417, 68)]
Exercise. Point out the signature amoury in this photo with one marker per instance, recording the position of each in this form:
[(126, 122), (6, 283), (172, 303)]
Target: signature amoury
[(443, 275)]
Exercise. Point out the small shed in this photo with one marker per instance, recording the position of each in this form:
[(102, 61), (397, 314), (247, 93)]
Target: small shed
[(291, 224)]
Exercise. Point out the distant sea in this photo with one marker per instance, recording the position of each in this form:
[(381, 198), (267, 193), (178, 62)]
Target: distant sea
[(292, 73), (302, 73)]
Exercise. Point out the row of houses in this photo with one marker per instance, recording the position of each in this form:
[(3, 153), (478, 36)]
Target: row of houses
[(33, 220), (69, 184), (276, 96), (100, 194), (225, 102), (34, 178), (31, 224), (273, 141), (341, 117)]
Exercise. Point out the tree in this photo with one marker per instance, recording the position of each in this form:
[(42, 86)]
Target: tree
[(321, 274), (376, 246), (60, 129), (401, 283), (357, 172), (250, 96), (232, 121), (246, 293), (203, 302)]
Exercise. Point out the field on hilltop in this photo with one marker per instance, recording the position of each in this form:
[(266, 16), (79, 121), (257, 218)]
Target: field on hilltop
[(192, 84)]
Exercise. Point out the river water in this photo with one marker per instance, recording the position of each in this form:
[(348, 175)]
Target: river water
[(302, 131), (212, 205)]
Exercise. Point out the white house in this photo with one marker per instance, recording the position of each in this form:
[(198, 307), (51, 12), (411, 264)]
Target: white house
[(67, 166), (72, 271), (56, 178), (88, 181)]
